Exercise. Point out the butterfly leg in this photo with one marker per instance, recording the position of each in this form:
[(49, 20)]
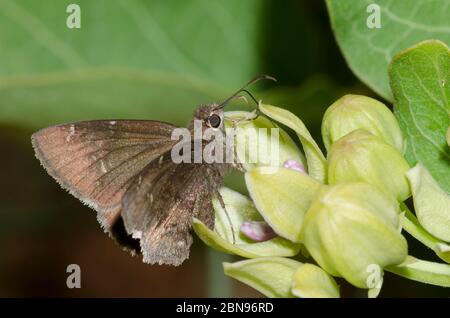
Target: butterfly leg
[(212, 182), (236, 163), (222, 204)]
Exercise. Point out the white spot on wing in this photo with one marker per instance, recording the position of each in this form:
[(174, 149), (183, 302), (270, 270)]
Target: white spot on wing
[(103, 166), (136, 235), (71, 132), (112, 123)]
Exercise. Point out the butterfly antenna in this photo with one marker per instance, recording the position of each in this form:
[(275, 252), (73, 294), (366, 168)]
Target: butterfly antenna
[(250, 94), (243, 89), (242, 97)]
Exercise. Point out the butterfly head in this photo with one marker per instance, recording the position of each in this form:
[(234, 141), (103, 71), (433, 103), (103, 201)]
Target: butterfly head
[(210, 115)]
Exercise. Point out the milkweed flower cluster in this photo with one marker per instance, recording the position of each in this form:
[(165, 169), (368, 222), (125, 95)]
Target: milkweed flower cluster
[(317, 218)]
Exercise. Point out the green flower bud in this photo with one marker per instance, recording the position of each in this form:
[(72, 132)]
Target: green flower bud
[(227, 236), (259, 142), (272, 276), (316, 161), (352, 230), (352, 112), (282, 198), (310, 281), (361, 156)]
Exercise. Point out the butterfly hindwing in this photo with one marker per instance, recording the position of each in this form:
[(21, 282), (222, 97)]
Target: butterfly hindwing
[(159, 206)]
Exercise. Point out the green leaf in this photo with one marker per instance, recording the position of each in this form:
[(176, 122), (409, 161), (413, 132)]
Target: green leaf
[(448, 136), (368, 51), (317, 165), (311, 281), (272, 276), (282, 198), (143, 63), (423, 271), (420, 81), (240, 209)]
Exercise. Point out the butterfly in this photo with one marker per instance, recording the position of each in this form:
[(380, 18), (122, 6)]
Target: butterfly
[(123, 169)]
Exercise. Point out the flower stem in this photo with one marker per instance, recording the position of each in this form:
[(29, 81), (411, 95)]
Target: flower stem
[(420, 270), (423, 271), (411, 225)]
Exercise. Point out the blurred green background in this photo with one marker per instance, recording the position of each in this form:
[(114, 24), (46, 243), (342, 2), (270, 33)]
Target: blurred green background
[(150, 60)]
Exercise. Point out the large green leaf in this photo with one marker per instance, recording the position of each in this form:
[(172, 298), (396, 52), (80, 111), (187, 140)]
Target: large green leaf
[(134, 58), (368, 51), (420, 80)]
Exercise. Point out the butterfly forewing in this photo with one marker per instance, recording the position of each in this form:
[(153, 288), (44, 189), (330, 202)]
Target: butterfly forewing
[(96, 161)]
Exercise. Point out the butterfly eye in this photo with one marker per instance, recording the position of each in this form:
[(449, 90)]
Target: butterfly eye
[(214, 120)]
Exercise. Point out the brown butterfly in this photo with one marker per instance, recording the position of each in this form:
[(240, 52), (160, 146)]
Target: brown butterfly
[(123, 169)]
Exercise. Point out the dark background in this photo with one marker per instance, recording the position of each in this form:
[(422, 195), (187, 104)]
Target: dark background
[(42, 228)]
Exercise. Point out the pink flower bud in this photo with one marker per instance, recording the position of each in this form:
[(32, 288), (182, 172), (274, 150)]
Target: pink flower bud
[(294, 165), (258, 231)]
